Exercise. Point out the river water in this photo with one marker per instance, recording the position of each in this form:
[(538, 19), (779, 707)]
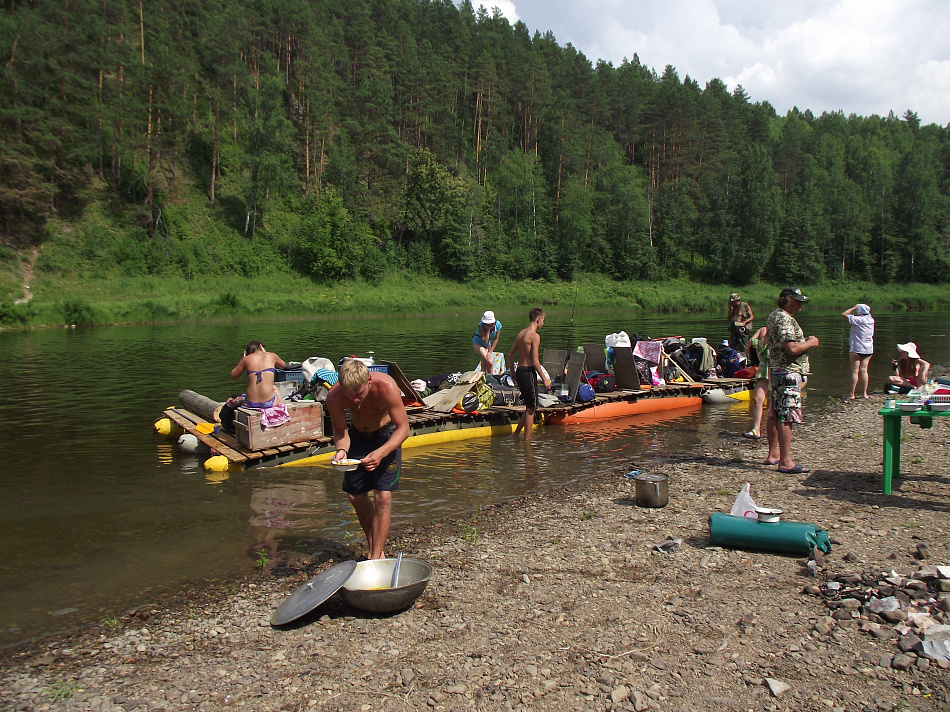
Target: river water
[(98, 513)]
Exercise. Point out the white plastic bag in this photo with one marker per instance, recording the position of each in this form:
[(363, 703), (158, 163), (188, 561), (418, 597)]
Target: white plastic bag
[(744, 506), (619, 339), (313, 364)]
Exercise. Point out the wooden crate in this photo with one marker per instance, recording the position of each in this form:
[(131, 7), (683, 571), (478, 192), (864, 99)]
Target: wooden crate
[(306, 423)]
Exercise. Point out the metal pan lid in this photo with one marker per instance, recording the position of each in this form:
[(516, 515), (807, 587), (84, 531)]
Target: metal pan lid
[(313, 593), (651, 477)]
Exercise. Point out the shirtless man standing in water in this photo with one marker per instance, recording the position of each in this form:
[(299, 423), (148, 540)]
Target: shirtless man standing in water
[(378, 427), (528, 346), (259, 364)]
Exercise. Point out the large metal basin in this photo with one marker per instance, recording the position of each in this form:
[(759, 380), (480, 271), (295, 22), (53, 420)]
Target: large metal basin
[(368, 588)]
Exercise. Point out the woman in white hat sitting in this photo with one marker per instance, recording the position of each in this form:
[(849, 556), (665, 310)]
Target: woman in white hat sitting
[(486, 339), (912, 370)]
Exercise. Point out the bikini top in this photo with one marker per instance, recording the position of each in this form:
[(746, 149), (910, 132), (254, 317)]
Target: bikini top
[(259, 376)]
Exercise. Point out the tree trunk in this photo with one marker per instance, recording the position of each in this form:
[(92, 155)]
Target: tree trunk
[(200, 405), (214, 146)]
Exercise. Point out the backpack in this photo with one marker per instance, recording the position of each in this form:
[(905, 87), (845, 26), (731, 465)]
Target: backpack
[(585, 393), (479, 398), (729, 361)]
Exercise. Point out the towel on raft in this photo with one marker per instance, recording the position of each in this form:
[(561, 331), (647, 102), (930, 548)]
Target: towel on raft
[(326, 375), (648, 350), (274, 416)]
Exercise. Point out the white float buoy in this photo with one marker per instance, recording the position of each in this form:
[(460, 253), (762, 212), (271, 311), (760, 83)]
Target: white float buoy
[(190, 444)]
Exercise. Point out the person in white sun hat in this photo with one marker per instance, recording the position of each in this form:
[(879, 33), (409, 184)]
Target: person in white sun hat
[(486, 339), (912, 370)]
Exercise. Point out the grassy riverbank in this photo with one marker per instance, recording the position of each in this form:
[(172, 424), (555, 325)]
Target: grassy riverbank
[(125, 300)]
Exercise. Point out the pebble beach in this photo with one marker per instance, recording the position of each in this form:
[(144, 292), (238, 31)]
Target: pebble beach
[(565, 600)]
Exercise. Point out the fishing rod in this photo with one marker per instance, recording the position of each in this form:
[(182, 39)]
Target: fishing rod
[(571, 327)]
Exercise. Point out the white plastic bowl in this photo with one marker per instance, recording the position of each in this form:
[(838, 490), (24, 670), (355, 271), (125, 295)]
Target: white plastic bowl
[(910, 407), (347, 465), (767, 514)]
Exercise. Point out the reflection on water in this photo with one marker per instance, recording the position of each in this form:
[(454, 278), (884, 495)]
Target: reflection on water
[(98, 514), (279, 508)]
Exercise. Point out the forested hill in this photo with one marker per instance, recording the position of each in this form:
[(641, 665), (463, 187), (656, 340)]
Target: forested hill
[(344, 139)]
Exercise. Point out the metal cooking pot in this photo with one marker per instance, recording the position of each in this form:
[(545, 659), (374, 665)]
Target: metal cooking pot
[(370, 588), (652, 490)]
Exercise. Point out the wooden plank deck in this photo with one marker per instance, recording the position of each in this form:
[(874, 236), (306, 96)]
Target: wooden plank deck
[(422, 420)]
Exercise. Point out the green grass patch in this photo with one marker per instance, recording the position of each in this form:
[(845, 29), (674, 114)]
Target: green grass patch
[(60, 691), (80, 289)]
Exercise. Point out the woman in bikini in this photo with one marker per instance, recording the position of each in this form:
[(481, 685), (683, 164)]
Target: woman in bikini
[(259, 364), (912, 370)]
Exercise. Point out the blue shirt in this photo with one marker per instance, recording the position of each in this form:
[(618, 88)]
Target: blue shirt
[(477, 339)]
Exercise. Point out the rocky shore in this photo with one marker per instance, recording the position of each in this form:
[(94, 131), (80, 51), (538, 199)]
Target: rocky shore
[(562, 601)]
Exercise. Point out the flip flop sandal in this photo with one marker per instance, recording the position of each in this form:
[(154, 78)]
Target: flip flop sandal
[(771, 462), (749, 435), (797, 470)]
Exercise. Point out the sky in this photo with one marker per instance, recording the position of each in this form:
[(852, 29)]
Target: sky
[(857, 56)]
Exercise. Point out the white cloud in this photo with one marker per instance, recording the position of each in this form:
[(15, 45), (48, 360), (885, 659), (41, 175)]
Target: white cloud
[(858, 56)]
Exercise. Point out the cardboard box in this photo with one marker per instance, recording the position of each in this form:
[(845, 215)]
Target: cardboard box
[(306, 423)]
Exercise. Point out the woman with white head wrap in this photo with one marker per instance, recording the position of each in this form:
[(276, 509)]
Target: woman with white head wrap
[(862, 344)]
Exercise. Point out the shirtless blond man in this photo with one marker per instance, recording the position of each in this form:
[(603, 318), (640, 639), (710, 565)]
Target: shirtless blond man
[(378, 428), (260, 365), (527, 346)]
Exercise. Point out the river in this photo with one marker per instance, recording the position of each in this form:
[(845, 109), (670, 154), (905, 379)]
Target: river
[(99, 514)]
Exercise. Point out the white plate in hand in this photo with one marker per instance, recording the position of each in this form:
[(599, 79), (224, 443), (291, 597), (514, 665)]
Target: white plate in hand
[(347, 465)]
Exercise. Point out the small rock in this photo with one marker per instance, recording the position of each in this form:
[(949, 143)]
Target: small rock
[(908, 642), (903, 661), (817, 557), (850, 556), (922, 552), (640, 701), (619, 694), (456, 689), (883, 633), (944, 603), (749, 619), (776, 687), (825, 625), (893, 616)]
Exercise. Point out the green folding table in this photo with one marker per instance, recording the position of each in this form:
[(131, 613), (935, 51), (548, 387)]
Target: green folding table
[(892, 437)]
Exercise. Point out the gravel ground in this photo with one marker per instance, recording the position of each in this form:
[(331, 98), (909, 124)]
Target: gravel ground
[(561, 601)]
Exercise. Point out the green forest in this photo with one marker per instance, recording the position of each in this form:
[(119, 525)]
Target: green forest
[(350, 140)]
